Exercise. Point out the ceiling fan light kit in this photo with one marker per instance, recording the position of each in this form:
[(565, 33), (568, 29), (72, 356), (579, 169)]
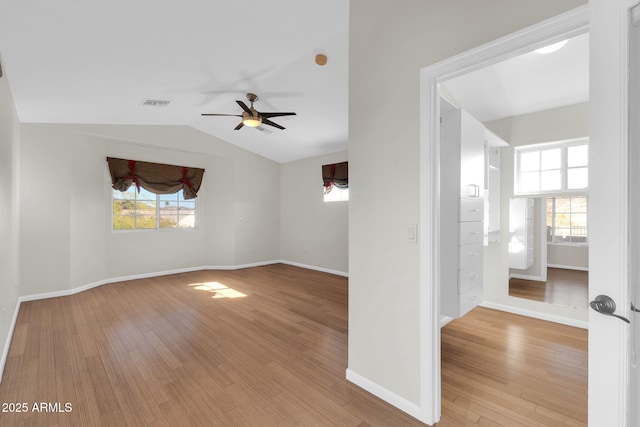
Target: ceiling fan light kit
[(252, 117)]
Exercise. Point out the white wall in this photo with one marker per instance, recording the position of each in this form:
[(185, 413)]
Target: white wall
[(65, 205), (313, 232), (389, 43), (9, 219), (558, 124)]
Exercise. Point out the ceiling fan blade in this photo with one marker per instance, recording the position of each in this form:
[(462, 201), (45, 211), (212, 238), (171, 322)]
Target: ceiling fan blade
[(244, 106), (267, 115), (270, 123), (239, 126), (231, 115)]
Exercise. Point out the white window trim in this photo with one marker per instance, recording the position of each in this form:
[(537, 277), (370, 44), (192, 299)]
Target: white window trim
[(563, 167), (586, 243), (157, 229)]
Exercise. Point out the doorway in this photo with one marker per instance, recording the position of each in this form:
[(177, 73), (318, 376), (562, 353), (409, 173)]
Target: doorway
[(565, 26)]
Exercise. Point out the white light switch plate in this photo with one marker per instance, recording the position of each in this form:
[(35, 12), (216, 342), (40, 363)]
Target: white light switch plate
[(412, 233)]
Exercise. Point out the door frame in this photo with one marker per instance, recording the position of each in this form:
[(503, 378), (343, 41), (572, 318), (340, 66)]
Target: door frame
[(563, 26)]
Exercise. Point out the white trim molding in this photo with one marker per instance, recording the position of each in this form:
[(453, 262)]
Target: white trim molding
[(526, 277), (7, 344), (384, 394), (563, 26), (73, 291), (568, 267), (536, 314), (313, 267)]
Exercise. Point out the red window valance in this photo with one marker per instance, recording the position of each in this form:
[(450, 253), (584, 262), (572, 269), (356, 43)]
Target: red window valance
[(336, 174), (155, 177)]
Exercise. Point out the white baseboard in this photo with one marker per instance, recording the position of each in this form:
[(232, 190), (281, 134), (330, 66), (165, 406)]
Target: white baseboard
[(568, 267), (526, 277), (313, 267), (385, 394), (537, 315), (73, 291), (7, 344), (444, 320)]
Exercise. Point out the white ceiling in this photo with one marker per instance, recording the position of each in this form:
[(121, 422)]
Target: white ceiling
[(74, 61), (526, 84)]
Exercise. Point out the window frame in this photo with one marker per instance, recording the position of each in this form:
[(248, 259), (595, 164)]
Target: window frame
[(157, 201), (552, 235), (564, 167)]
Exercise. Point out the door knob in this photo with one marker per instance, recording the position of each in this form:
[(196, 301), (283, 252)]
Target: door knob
[(603, 304)]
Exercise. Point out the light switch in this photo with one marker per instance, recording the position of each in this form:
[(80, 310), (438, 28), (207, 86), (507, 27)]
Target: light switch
[(412, 233)]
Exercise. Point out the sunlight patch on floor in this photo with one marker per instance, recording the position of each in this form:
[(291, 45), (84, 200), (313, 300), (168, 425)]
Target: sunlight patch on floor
[(218, 289)]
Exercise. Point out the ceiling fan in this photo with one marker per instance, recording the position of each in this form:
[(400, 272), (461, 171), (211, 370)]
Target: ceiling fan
[(252, 117)]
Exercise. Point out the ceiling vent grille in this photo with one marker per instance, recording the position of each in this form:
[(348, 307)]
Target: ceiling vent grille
[(155, 102)]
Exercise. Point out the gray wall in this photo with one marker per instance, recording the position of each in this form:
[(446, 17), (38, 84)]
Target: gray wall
[(389, 43), (9, 218)]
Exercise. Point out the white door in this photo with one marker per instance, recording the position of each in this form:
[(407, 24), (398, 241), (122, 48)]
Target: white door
[(611, 214), (634, 209)]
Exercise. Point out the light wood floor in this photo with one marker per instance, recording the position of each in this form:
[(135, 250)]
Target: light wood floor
[(267, 346), (564, 287), (501, 369)]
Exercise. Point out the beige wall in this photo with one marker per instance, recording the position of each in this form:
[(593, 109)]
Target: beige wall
[(564, 256), (9, 219), (389, 43), (313, 232), (558, 124), (65, 205)]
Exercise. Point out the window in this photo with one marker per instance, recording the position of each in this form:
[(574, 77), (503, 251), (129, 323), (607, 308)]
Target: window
[(553, 168), (146, 210), (337, 194), (567, 219), (335, 180)]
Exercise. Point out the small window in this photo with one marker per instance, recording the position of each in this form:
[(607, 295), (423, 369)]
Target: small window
[(550, 169), (146, 210), (567, 220), (337, 195)]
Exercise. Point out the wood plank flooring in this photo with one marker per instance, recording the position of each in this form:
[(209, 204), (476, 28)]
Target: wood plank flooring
[(501, 369), (266, 346), (564, 287)]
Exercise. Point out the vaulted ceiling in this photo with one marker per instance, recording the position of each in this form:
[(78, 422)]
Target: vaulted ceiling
[(71, 61)]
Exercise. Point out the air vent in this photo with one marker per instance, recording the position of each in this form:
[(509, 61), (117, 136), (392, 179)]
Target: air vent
[(264, 130), (155, 102)]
